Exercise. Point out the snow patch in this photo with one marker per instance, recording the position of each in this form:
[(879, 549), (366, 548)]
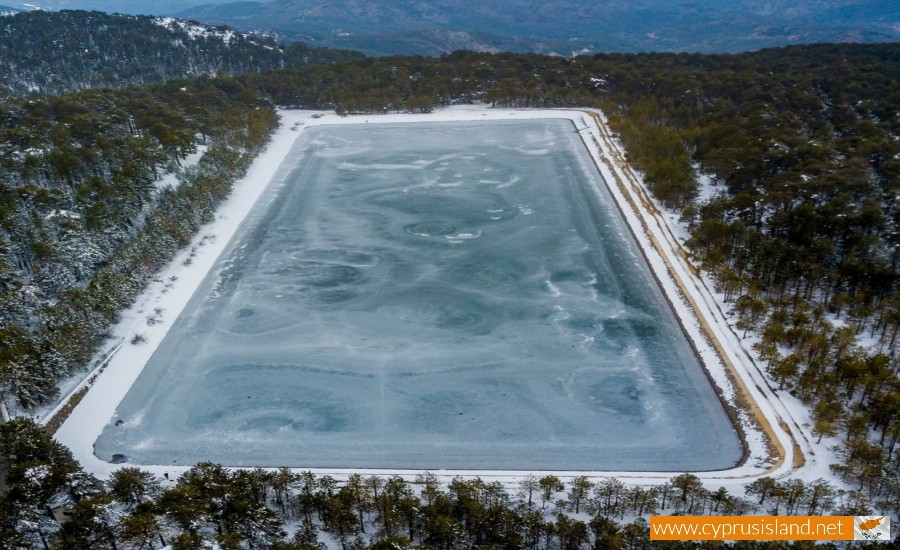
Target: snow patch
[(173, 179), (195, 31)]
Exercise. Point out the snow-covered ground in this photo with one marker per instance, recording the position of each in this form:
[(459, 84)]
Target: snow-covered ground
[(172, 179), (791, 452)]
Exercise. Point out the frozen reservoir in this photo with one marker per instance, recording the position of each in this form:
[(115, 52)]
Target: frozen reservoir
[(429, 295)]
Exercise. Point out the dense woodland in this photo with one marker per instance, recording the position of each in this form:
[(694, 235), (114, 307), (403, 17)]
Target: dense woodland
[(49, 53), (83, 227), (282, 510), (797, 226)]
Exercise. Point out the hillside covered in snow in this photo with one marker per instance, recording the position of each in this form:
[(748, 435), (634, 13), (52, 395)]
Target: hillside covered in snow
[(50, 53)]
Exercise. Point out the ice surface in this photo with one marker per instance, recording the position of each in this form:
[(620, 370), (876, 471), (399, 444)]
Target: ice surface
[(446, 295)]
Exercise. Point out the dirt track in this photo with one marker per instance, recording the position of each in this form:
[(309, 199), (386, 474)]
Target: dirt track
[(634, 192)]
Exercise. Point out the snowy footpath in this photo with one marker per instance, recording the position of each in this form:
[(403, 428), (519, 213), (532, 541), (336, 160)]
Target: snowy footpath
[(774, 425)]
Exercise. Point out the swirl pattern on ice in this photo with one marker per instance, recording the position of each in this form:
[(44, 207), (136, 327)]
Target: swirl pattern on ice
[(447, 295)]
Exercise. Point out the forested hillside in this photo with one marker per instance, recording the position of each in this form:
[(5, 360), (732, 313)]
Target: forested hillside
[(51, 53), (83, 224)]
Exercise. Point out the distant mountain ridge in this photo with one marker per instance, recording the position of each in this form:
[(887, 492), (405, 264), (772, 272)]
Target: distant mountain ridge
[(563, 26), (50, 53), (130, 7)]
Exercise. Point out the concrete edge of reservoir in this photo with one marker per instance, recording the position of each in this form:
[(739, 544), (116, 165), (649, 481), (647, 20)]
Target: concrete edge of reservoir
[(775, 444)]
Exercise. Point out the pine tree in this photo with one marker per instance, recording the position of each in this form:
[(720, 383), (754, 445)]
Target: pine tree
[(132, 486), (579, 489), (549, 485)]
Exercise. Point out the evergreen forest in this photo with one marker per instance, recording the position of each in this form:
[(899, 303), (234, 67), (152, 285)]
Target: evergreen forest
[(50, 53), (284, 510)]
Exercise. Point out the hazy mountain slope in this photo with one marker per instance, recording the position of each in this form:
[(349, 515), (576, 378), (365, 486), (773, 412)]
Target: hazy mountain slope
[(133, 7), (54, 52), (566, 25)]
